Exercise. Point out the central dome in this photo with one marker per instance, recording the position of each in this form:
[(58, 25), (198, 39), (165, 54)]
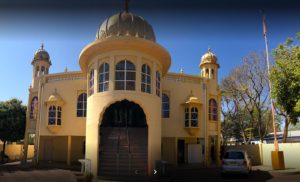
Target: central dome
[(125, 24)]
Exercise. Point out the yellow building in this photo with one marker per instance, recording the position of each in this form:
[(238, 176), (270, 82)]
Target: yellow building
[(124, 111)]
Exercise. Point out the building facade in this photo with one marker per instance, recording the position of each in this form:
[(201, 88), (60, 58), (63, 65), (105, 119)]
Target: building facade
[(123, 110)]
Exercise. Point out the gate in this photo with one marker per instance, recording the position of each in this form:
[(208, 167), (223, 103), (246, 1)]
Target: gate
[(123, 147)]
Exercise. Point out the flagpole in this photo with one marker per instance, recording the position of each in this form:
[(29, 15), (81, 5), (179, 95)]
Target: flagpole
[(270, 85)]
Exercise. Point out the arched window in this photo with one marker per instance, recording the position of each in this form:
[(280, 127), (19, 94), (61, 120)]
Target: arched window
[(165, 106), (43, 70), (186, 117), (33, 107), (81, 105), (37, 69), (125, 76), (158, 83), (54, 115), (103, 77), (212, 74), (146, 79), (206, 73), (91, 82), (194, 117), (58, 121), (213, 110)]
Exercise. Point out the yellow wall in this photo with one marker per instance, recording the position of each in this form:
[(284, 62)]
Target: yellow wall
[(261, 153), (15, 151), (178, 92), (169, 149), (77, 148), (290, 152), (59, 148), (150, 103), (69, 90)]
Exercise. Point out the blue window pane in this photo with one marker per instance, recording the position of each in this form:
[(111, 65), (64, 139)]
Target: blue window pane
[(148, 89), (148, 79), (101, 79), (119, 85), (130, 76), (106, 77), (79, 113), (186, 123), (58, 121), (143, 87), (106, 86), (143, 78), (130, 66), (106, 67), (130, 85), (120, 65), (51, 121), (120, 75), (144, 68)]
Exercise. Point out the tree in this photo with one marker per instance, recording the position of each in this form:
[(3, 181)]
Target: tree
[(12, 122), (247, 90), (285, 79), (234, 121)]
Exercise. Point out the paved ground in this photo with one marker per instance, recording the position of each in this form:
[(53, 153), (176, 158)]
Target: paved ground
[(14, 172), (259, 174), (17, 173), (53, 175)]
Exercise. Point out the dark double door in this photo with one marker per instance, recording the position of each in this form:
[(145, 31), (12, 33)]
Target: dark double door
[(123, 147), (123, 151)]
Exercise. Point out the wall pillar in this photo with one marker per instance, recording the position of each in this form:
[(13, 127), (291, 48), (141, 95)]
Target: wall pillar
[(69, 151)]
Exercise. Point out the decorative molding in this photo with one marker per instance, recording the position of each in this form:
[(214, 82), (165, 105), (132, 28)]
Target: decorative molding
[(183, 78), (64, 77)]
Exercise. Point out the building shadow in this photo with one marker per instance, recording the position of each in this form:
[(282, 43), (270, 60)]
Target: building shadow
[(211, 175), (257, 176)]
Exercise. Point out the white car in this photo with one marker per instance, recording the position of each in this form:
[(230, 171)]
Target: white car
[(236, 161)]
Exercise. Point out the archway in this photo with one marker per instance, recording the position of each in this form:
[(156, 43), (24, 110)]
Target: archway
[(123, 147)]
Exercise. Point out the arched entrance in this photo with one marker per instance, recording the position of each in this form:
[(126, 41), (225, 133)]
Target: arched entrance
[(123, 147)]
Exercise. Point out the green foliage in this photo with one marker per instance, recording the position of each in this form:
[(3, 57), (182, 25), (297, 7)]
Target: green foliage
[(285, 78), (12, 120)]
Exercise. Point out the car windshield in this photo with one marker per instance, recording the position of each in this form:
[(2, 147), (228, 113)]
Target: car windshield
[(234, 155)]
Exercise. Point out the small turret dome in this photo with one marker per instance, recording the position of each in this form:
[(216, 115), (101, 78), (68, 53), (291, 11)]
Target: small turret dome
[(209, 58), (125, 24), (41, 54), (55, 99)]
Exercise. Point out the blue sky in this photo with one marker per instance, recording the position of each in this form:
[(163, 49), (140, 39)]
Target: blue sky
[(185, 28)]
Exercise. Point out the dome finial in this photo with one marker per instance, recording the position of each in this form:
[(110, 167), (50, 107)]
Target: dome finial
[(42, 46), (209, 49), (126, 5), (181, 70)]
